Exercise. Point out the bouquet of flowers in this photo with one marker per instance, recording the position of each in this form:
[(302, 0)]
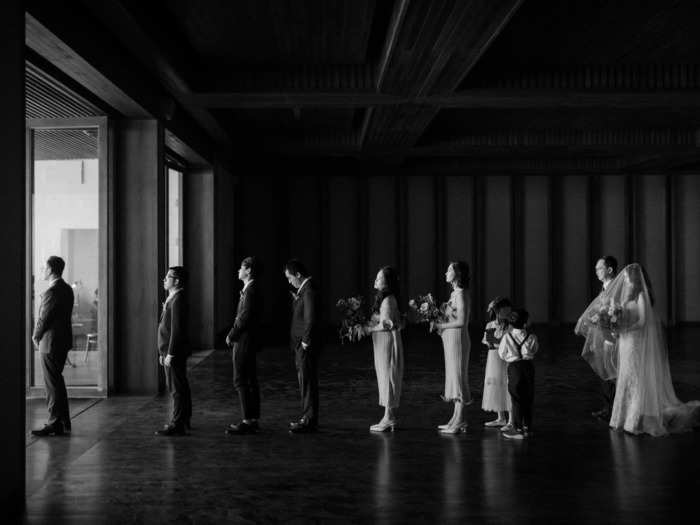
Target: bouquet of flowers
[(426, 310), (353, 318), (608, 319)]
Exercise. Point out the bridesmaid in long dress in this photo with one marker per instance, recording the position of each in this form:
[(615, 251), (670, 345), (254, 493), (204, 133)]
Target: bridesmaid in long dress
[(385, 327), (456, 344)]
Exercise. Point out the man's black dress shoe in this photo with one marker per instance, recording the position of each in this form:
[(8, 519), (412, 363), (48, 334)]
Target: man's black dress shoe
[(302, 427), (242, 428), (171, 430), (49, 430)]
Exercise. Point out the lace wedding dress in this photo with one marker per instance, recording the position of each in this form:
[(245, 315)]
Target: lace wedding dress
[(645, 400)]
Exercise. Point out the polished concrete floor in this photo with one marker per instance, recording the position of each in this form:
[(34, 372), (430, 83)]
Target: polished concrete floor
[(573, 470)]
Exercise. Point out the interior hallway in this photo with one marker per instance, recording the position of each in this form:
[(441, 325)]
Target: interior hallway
[(112, 469)]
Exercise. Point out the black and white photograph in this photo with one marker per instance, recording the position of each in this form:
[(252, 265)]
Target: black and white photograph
[(350, 261)]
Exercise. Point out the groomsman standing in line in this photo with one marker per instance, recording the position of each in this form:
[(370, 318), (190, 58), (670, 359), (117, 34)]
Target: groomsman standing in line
[(174, 349), (305, 342), (606, 270), (53, 336), (244, 337)]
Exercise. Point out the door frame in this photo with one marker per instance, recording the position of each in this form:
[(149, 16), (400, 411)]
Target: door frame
[(106, 207)]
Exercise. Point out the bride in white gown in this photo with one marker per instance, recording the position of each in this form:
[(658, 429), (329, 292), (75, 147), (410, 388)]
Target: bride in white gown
[(645, 401)]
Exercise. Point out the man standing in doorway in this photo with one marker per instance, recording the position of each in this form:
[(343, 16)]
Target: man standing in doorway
[(53, 336), (174, 349)]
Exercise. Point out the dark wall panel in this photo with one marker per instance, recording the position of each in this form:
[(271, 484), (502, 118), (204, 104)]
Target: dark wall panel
[(225, 266), (459, 215), (140, 254), (611, 198), (343, 241), (382, 228), (13, 262), (497, 238), (576, 266), (304, 222), (200, 249), (536, 247), (422, 249), (689, 248), (653, 247), (263, 232)]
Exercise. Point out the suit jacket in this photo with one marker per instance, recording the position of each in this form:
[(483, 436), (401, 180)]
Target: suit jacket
[(173, 330), (53, 328), (305, 323), (246, 327)]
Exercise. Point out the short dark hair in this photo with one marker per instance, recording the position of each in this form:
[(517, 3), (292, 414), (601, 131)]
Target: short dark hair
[(519, 318), (610, 262), (461, 270), (295, 266), (254, 265), (180, 274), (56, 264)]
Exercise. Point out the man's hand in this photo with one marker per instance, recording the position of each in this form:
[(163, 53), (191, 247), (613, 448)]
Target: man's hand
[(304, 346), (168, 359), (36, 342), (228, 341), (160, 360)]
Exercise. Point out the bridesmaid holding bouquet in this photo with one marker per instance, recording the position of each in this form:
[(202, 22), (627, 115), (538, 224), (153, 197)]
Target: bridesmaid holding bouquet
[(456, 345), (385, 326)]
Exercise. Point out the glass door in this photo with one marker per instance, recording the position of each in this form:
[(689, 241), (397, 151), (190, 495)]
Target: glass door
[(68, 200)]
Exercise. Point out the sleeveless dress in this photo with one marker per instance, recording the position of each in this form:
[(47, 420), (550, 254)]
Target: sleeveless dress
[(496, 397), (388, 353), (457, 346)]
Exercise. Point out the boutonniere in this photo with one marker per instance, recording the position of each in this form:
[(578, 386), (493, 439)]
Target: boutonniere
[(294, 296), (163, 304)]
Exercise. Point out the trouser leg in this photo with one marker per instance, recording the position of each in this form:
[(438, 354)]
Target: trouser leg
[(307, 372), (514, 390), (56, 393), (179, 388)]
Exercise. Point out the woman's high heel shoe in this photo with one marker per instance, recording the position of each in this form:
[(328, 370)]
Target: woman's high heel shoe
[(383, 426), (454, 429), (443, 427)]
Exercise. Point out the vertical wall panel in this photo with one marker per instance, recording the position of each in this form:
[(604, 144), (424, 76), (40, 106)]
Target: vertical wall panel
[(342, 240), (459, 223), (536, 248), (225, 241), (575, 265), (261, 234), (140, 254), (200, 249), (382, 230), (689, 248), (652, 237), (421, 237), (304, 227), (497, 241), (612, 209), (13, 263)]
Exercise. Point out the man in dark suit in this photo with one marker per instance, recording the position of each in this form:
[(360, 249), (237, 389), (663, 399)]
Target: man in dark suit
[(305, 342), (53, 336), (606, 270), (174, 349), (244, 337)]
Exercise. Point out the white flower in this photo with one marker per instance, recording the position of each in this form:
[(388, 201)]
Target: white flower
[(424, 307)]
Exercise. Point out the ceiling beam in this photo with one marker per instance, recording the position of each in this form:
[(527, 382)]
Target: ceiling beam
[(148, 40), (79, 47), (471, 99)]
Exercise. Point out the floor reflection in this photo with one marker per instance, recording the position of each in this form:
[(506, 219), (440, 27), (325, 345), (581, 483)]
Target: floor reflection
[(383, 479)]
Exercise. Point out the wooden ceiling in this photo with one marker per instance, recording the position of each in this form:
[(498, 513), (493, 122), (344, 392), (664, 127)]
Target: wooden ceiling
[(486, 82)]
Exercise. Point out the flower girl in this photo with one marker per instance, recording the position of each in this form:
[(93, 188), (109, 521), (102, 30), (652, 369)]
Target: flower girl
[(496, 398)]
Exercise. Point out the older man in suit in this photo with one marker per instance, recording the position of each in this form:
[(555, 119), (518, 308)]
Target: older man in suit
[(305, 342), (174, 349), (244, 338), (53, 336)]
